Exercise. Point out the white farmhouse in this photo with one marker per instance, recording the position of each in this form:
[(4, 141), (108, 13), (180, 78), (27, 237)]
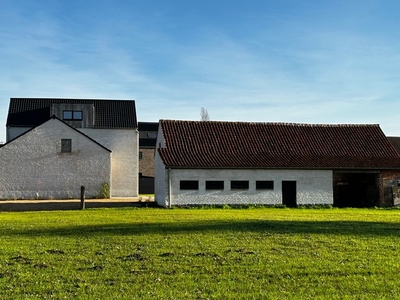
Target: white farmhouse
[(200, 163), (55, 146)]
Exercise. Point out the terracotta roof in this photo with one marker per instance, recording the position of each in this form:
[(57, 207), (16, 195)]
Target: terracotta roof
[(202, 144), (30, 112), (395, 141)]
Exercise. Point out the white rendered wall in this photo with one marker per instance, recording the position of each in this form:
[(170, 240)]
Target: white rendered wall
[(313, 186), (124, 144), (33, 167), (160, 181)]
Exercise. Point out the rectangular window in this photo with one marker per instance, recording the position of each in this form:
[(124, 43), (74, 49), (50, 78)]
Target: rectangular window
[(214, 185), (72, 115), (67, 115), (189, 184), (264, 185), (77, 115), (239, 185), (140, 155), (66, 145)]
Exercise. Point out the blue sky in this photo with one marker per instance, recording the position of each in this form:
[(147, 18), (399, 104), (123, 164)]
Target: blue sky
[(265, 61)]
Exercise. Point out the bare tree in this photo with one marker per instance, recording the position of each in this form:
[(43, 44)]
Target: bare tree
[(204, 115)]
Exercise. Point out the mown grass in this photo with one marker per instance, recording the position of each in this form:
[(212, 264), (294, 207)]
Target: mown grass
[(149, 253)]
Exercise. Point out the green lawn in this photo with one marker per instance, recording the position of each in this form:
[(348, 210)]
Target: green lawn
[(150, 253)]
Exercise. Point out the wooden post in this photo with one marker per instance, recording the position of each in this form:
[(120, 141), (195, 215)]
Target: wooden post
[(82, 197)]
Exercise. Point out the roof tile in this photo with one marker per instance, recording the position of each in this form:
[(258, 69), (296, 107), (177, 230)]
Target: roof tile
[(203, 144), (30, 112)]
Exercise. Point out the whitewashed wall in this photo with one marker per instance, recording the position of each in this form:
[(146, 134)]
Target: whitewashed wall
[(32, 166), (160, 181), (313, 186), (124, 144)]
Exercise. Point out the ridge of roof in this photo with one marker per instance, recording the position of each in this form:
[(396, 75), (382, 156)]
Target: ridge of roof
[(272, 123)]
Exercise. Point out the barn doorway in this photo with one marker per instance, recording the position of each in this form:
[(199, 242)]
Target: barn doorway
[(355, 189), (289, 193)]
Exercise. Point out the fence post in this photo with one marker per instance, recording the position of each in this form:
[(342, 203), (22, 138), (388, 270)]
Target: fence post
[(82, 197)]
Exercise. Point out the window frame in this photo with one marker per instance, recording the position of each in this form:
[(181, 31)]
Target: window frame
[(73, 115)]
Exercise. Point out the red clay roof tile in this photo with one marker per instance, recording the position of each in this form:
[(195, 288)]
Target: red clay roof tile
[(203, 144)]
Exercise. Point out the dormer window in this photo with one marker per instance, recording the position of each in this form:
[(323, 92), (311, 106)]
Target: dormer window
[(72, 115)]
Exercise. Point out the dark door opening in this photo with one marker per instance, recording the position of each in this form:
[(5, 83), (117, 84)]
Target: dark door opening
[(289, 193), (355, 189)]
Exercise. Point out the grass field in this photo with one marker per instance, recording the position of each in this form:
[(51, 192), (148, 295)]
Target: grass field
[(261, 253)]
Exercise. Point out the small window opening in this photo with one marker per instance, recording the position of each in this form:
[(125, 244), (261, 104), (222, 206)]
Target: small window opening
[(214, 185), (66, 145), (239, 184), (189, 184), (264, 185)]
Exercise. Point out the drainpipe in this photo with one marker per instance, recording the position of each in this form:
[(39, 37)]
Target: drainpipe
[(169, 187)]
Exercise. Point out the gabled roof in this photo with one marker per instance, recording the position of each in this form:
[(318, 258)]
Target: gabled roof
[(55, 118), (30, 112), (148, 134), (202, 144), (395, 141)]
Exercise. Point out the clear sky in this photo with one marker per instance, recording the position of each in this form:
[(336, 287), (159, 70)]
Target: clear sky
[(296, 61)]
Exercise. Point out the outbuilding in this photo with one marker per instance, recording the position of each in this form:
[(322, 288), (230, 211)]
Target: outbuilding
[(211, 162)]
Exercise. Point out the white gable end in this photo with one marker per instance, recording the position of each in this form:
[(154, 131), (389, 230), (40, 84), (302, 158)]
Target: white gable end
[(53, 160)]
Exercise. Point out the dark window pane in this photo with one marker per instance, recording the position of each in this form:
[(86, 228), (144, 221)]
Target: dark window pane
[(77, 115), (214, 185), (240, 184), (189, 185), (264, 185), (66, 145), (67, 114)]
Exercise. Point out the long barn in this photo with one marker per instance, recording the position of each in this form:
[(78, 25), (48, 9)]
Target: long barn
[(210, 162)]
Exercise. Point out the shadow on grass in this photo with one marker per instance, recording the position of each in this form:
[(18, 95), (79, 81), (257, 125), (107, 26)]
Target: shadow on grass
[(256, 226)]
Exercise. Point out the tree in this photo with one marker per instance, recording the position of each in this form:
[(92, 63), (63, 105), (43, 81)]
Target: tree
[(204, 115)]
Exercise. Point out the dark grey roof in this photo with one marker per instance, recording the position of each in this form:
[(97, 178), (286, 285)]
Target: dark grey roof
[(30, 112), (148, 134), (148, 126)]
